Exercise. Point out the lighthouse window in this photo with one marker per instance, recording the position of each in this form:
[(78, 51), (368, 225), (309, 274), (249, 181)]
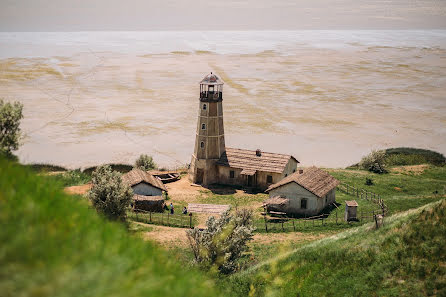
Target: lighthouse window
[(203, 126), (204, 106), (202, 144)]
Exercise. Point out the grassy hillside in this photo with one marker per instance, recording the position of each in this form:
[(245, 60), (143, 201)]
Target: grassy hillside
[(55, 245), (407, 257)]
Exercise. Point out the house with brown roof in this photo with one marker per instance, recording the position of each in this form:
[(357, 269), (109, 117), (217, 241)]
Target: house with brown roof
[(143, 183), (212, 162), (255, 169), (305, 192)]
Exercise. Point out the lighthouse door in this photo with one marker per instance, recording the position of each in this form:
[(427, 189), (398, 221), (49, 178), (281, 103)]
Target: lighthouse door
[(199, 178)]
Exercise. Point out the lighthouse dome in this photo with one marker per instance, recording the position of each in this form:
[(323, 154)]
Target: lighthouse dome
[(211, 79)]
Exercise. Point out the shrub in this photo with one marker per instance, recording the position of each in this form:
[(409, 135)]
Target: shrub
[(109, 195), (145, 162), (374, 162), (10, 116), (223, 241), (368, 181)]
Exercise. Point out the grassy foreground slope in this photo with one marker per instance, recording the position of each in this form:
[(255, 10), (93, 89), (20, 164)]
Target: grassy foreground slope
[(52, 244), (407, 257)]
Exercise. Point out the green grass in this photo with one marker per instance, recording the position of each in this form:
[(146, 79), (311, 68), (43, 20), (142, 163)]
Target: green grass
[(53, 244), (70, 178), (42, 168), (413, 156), (122, 168), (404, 258)]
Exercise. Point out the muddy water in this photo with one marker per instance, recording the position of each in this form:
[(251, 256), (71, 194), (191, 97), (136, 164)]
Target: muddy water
[(326, 97)]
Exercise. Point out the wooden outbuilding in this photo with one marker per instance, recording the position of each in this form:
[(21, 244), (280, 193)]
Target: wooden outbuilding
[(350, 210), (308, 192), (147, 190), (143, 183), (148, 203)]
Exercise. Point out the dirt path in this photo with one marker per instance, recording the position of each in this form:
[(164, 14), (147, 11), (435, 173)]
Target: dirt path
[(78, 190), (167, 236)]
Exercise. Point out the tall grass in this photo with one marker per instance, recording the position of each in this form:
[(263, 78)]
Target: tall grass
[(404, 258), (53, 244)]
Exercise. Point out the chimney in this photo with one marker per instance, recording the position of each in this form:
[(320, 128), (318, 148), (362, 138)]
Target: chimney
[(258, 152), (301, 171)]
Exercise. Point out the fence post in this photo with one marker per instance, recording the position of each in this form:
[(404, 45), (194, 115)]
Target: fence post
[(150, 216), (190, 220), (294, 227), (162, 218), (282, 227), (168, 216), (362, 216)]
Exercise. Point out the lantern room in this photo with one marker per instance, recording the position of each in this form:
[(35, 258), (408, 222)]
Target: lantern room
[(211, 88)]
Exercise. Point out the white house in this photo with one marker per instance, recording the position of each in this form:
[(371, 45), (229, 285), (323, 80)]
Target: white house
[(144, 183), (305, 192)]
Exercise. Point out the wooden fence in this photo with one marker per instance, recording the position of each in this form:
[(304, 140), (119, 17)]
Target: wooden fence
[(314, 223), (165, 219), (363, 194)]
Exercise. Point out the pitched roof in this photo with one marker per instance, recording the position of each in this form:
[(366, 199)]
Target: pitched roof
[(249, 161), (136, 176), (351, 203), (211, 79), (315, 180)]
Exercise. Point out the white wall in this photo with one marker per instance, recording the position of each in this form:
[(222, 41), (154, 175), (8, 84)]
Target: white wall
[(146, 189), (296, 193)]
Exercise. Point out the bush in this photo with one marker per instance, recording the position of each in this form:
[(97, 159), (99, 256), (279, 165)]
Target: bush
[(368, 181), (223, 241), (145, 163), (374, 162), (10, 116), (109, 195)]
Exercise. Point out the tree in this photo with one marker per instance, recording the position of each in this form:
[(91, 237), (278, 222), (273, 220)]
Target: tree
[(10, 116), (145, 163), (224, 240), (109, 195), (374, 162)]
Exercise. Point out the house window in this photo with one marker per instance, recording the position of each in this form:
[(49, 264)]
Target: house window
[(204, 106), (203, 126), (269, 179), (231, 174), (303, 203), (202, 144), (294, 170)]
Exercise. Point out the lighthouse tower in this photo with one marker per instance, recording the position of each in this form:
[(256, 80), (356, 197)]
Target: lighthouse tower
[(210, 136)]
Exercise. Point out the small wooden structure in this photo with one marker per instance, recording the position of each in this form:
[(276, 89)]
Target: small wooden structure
[(350, 210), (148, 203), (207, 208), (165, 176), (276, 204)]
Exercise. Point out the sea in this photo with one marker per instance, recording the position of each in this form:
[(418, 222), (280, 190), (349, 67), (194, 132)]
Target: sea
[(327, 97)]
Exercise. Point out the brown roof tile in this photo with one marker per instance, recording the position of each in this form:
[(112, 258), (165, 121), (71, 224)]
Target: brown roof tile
[(315, 180), (249, 161), (136, 176)]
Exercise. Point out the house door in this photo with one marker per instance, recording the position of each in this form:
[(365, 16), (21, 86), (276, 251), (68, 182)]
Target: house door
[(250, 180), (199, 177)]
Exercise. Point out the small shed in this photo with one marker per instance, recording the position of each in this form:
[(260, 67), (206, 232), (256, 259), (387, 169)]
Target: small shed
[(143, 183), (148, 203), (350, 210)]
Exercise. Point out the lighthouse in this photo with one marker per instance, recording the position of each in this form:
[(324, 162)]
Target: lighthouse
[(210, 136)]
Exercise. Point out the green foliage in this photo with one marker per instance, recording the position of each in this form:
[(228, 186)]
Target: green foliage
[(145, 163), (374, 162), (109, 195), (223, 241), (122, 168), (368, 181), (41, 168), (55, 245), (412, 156), (71, 178), (400, 259), (10, 116)]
